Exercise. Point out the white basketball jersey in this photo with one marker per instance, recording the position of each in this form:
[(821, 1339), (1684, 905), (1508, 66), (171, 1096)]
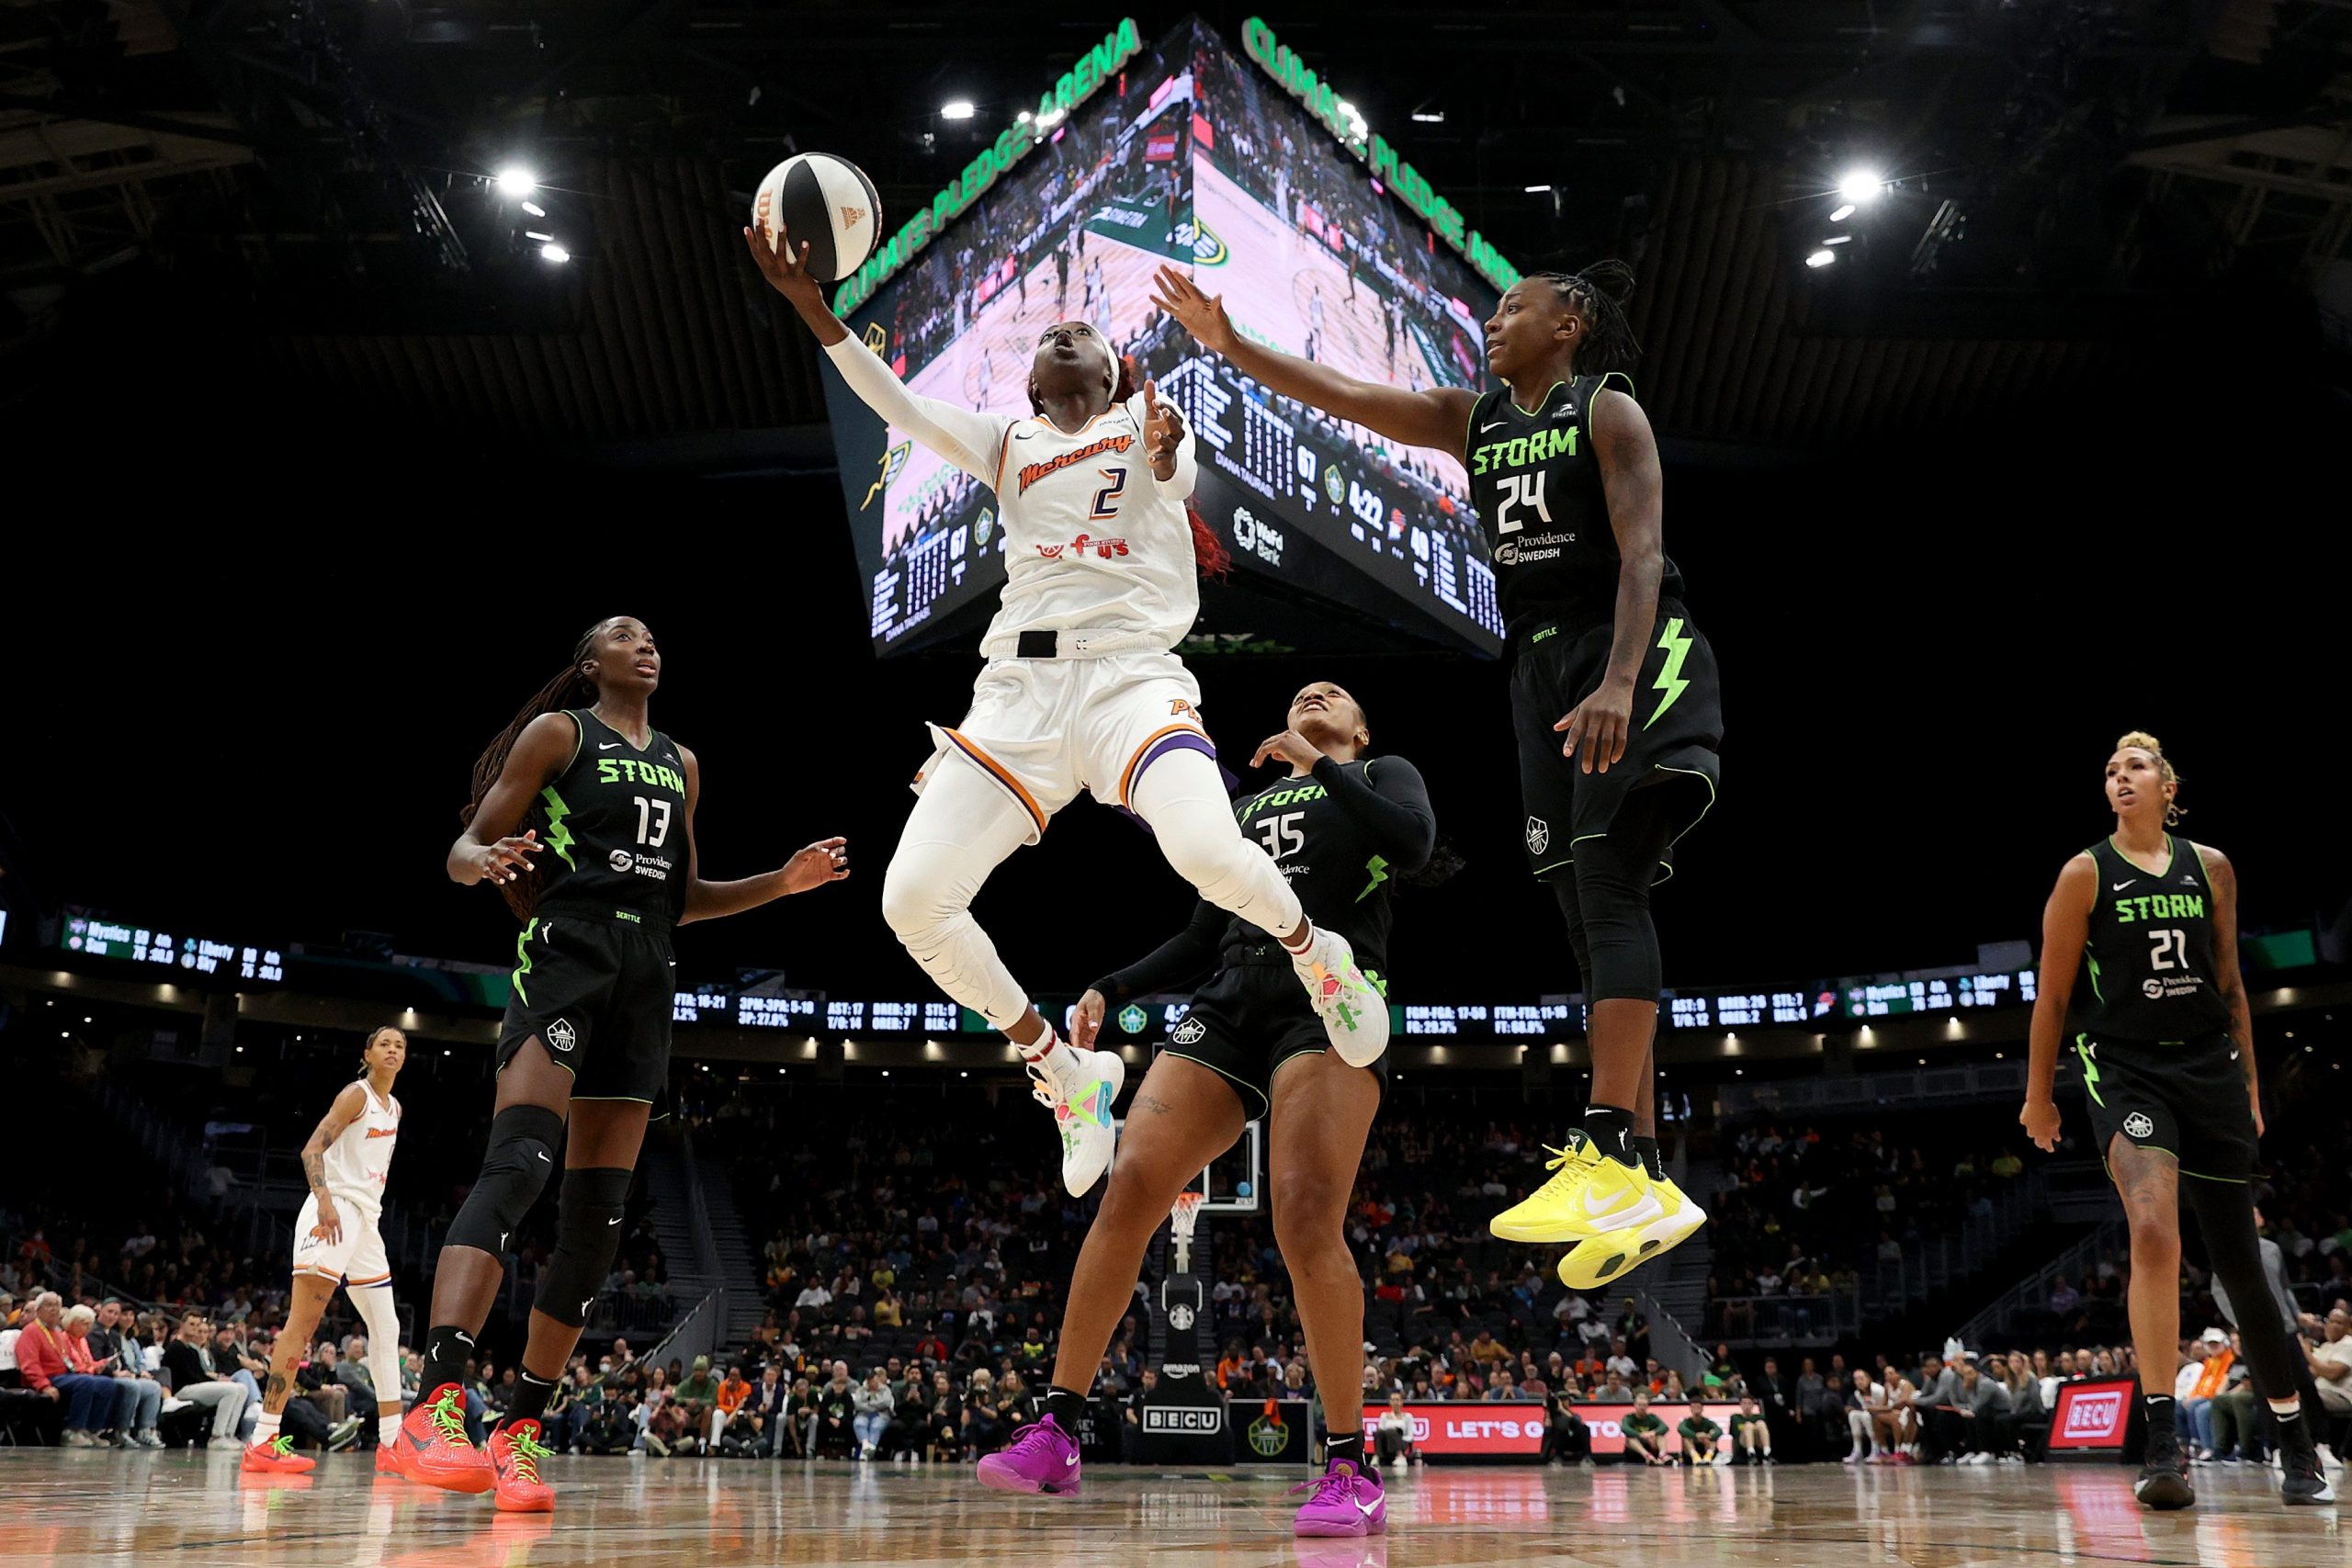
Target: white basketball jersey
[(358, 1161), (1092, 541)]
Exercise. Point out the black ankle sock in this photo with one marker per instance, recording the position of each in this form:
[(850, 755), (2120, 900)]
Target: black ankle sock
[(1611, 1132), (1645, 1149), (1346, 1445), (530, 1401), (446, 1348), (2159, 1409), (1065, 1408)]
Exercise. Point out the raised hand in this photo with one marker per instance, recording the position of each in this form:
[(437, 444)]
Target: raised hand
[(1163, 430), (1202, 315), (786, 267)]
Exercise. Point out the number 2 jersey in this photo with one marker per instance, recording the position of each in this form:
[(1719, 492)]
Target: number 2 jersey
[(2148, 971), (1094, 540), (614, 825), (1536, 483), (1341, 835)]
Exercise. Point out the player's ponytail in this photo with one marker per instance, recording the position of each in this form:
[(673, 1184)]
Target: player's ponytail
[(1597, 296), (568, 688), (2139, 739)]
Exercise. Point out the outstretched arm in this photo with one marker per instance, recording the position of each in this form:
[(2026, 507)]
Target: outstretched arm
[(825, 861), (2066, 927), (973, 442), (1437, 418)]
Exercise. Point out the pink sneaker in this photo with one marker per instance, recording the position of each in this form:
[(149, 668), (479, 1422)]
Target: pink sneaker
[(1043, 1459), (1346, 1501)]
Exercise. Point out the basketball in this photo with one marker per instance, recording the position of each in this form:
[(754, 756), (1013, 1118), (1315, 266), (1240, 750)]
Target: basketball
[(825, 202)]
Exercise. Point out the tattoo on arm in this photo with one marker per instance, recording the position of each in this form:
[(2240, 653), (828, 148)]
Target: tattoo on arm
[(314, 1170)]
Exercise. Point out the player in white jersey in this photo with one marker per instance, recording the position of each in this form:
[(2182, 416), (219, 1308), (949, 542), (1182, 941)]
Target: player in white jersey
[(336, 1243), (1081, 693)]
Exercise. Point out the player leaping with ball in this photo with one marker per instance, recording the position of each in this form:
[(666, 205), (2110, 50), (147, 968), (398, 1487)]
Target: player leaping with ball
[(1081, 692), (1613, 690)]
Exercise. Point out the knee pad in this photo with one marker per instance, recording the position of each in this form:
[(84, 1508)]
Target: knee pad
[(589, 1210), (520, 1158), (374, 1304)]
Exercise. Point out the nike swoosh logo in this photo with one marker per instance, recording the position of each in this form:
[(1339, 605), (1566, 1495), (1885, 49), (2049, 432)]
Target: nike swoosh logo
[(608, 745), (1024, 435), (1073, 1462), (1368, 1509), (612, 1222), (2120, 886), (1601, 1213), (1495, 425), (543, 1155)]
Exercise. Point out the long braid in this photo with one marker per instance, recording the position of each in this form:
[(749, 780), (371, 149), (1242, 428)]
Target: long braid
[(1210, 556), (567, 689), (1597, 296)]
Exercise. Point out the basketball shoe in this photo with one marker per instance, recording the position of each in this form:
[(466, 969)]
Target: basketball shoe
[(2163, 1479), (1346, 1501), (1603, 1258), (1588, 1195), (2302, 1479), (515, 1453), (432, 1446), (1043, 1459), (1080, 1093), (1352, 1005), (276, 1457)]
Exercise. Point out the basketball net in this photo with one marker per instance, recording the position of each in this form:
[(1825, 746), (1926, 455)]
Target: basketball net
[(1181, 1218)]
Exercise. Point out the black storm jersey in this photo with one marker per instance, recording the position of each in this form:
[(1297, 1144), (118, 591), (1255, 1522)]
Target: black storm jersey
[(614, 825), (1536, 483), (1329, 854), (2148, 965), (1340, 835)]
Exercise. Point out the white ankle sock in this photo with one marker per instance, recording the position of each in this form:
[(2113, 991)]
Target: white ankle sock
[(266, 1429), (1307, 949), (1049, 1052), (387, 1428)]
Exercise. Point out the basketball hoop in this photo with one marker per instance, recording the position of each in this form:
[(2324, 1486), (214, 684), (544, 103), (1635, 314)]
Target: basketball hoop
[(1182, 1217)]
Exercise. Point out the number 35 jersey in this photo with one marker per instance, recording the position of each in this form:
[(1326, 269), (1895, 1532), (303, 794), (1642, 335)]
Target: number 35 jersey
[(2148, 968), (1536, 483), (614, 825)]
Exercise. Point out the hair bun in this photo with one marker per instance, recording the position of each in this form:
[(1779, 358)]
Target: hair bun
[(2144, 740), (1613, 278)]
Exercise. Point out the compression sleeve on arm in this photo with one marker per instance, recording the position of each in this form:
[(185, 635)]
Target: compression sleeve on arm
[(971, 441), (1389, 799), (1184, 957)]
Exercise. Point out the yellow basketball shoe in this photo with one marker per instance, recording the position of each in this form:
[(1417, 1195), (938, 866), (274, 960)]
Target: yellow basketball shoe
[(1590, 1194), (1604, 1257)]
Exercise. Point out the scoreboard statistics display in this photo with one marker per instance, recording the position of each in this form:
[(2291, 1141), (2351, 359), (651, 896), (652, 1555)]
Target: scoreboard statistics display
[(101, 936), (1189, 157)]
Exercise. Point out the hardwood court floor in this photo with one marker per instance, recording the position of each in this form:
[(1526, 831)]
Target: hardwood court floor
[(196, 1510)]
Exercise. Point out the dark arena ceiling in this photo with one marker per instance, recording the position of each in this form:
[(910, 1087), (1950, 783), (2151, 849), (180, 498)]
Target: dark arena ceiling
[(280, 204)]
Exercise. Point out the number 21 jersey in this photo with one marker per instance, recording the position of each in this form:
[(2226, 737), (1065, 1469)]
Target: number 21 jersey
[(2148, 965)]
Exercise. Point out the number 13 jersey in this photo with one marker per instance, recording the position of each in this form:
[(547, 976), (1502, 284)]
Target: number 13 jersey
[(1536, 483), (614, 825), (2147, 970)]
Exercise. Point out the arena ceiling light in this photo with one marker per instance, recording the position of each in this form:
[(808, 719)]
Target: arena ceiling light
[(1861, 186), (1535, 190), (535, 209), (1821, 258), (956, 108), (1426, 116), (1845, 211), (555, 253), (516, 182)]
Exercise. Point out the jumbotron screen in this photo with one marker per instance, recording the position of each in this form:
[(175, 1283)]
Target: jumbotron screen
[(1186, 157)]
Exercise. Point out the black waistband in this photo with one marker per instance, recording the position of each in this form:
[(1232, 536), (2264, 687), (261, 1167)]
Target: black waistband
[(1038, 645), (605, 912), (1527, 633)]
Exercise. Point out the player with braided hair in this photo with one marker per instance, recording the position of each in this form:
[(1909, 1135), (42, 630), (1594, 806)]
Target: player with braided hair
[(606, 866), (2140, 960), (1614, 692), (1081, 690)]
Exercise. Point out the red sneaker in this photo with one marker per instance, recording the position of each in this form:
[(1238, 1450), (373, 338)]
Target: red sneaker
[(387, 1459), (276, 1457), (432, 1446), (514, 1453)]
